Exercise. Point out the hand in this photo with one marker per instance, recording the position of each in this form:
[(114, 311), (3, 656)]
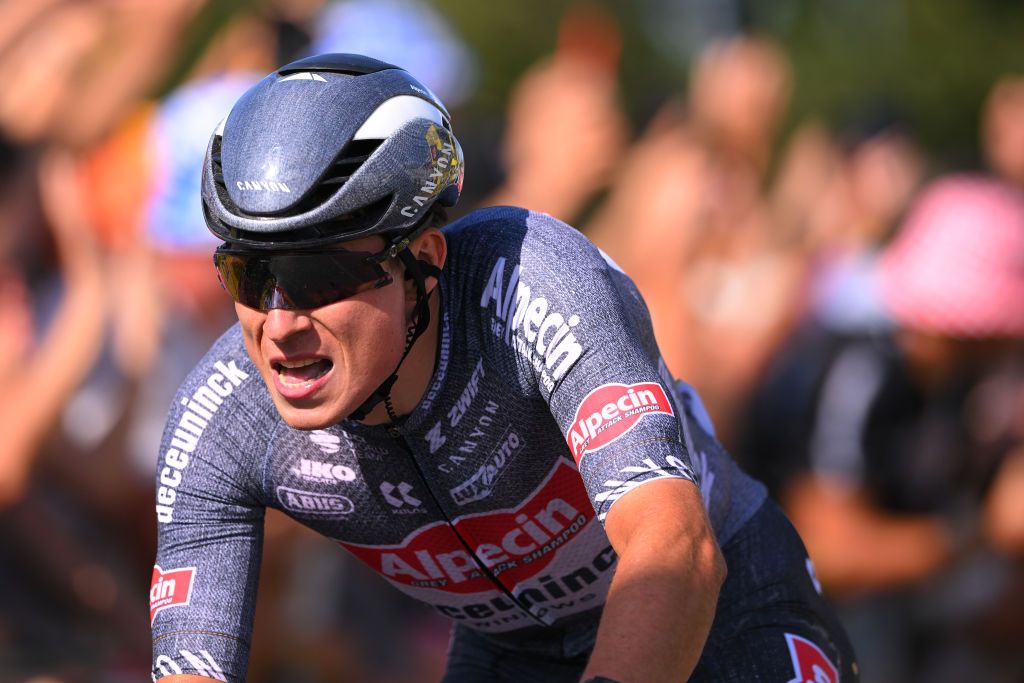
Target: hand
[(1003, 519), (565, 133)]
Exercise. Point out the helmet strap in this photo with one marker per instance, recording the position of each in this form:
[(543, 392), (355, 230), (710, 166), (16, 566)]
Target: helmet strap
[(414, 270)]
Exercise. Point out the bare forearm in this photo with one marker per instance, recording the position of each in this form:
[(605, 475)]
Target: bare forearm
[(662, 599), (895, 552), (656, 619), (1003, 512), (64, 358), (857, 546), (74, 338)]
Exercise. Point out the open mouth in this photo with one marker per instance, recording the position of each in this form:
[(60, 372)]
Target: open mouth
[(300, 372)]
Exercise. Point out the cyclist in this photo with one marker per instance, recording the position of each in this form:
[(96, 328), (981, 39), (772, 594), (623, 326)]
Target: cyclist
[(478, 413)]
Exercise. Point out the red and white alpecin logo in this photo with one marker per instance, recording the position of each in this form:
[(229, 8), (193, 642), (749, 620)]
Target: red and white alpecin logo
[(169, 588), (610, 411), (514, 544), (809, 663)]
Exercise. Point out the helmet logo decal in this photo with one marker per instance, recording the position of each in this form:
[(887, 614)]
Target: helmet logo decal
[(262, 186), (446, 166)]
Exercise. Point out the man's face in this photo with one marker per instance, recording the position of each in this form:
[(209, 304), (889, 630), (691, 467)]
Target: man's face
[(321, 364)]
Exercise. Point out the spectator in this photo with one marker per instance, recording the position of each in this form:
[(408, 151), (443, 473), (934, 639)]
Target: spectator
[(701, 242), (862, 434), (30, 407), (565, 131), (1002, 129)]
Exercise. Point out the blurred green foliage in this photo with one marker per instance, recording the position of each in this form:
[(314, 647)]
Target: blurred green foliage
[(933, 60), (209, 20), (930, 60)]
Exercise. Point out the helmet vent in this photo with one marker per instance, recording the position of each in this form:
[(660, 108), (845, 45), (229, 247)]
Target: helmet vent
[(218, 177), (337, 174), (349, 161), (347, 64), (218, 169)]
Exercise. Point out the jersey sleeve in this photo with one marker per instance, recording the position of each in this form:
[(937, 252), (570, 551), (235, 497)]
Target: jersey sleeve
[(210, 527), (580, 330)]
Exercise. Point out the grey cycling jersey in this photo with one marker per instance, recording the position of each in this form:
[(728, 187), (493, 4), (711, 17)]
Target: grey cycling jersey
[(548, 402)]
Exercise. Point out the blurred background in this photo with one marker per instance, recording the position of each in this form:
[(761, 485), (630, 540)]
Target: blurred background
[(821, 202)]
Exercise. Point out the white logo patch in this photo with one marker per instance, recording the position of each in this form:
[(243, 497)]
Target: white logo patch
[(400, 497), (323, 472), (310, 503), (325, 441), (528, 324)]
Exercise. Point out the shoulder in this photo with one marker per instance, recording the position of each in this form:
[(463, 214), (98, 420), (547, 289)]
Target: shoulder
[(539, 291), (536, 241), (225, 369), (510, 224), (217, 427), (224, 388)]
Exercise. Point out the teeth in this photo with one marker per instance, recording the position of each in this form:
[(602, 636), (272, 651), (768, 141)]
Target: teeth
[(298, 363)]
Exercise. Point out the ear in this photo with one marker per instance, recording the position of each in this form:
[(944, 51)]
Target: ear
[(432, 247)]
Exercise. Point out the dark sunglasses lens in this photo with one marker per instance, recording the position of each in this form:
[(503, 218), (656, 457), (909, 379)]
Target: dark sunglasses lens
[(244, 278), (314, 280), (297, 280)]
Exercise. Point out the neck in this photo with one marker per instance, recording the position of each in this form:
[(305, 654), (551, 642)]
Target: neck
[(417, 369)]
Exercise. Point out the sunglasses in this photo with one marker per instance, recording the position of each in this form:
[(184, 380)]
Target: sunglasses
[(299, 279)]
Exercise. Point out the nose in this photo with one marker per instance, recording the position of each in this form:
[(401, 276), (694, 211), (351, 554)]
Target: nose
[(283, 323)]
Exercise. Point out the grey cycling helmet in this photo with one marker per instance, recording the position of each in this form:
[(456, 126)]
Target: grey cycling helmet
[(332, 148), (328, 148)]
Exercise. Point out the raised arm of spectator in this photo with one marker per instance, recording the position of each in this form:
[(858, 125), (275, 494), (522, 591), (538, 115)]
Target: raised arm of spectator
[(856, 545), (39, 387), (565, 130)]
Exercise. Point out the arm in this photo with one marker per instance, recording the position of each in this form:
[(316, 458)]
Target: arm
[(662, 599), (856, 545), (563, 136), (616, 406), (1003, 513), (612, 398), (210, 511), (30, 407)]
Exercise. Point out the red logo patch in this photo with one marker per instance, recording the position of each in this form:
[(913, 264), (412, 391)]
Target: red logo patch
[(809, 663), (514, 544), (169, 589), (610, 411)]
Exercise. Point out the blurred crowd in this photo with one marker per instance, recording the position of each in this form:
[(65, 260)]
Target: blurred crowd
[(851, 311)]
